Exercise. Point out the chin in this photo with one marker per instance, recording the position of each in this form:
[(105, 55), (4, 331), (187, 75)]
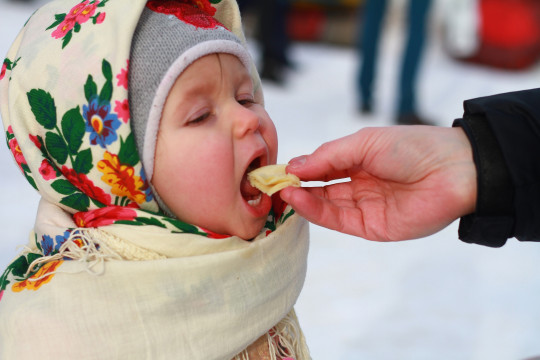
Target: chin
[(251, 232)]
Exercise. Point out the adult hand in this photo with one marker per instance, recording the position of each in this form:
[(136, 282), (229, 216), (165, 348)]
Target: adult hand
[(405, 182)]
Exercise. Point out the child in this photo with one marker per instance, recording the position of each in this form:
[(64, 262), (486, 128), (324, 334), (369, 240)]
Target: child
[(175, 256)]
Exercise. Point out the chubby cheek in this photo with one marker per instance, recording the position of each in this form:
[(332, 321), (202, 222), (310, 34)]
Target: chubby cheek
[(206, 174), (204, 183), (269, 133)]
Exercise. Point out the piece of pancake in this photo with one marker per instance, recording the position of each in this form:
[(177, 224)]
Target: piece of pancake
[(272, 178)]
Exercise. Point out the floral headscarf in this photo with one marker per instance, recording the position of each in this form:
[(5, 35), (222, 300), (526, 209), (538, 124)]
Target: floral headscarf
[(64, 106), (75, 144)]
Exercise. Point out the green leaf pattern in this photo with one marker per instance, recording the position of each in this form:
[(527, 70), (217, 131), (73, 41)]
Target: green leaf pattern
[(67, 145)]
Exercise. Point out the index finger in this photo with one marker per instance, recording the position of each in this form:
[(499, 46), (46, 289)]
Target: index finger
[(332, 160)]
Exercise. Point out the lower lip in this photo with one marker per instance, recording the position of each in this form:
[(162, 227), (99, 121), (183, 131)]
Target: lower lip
[(262, 208)]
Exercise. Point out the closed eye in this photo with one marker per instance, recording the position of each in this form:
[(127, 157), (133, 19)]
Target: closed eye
[(247, 101), (199, 119)]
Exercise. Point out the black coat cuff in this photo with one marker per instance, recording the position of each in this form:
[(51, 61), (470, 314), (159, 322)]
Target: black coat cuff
[(493, 221)]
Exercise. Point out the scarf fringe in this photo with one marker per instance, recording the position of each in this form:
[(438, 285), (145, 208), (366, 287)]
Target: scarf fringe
[(286, 341), (81, 246), (92, 247)]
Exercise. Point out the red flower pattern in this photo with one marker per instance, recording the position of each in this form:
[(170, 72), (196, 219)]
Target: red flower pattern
[(104, 216), (81, 182), (3, 70), (122, 110), (123, 77), (47, 171), (17, 153), (76, 11), (213, 235), (83, 11), (198, 13), (35, 140), (100, 18), (64, 28), (78, 15)]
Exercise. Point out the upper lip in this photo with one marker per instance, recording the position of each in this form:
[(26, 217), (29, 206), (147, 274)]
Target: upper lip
[(260, 154)]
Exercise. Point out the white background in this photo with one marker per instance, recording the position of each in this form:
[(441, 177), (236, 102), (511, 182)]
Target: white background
[(433, 298)]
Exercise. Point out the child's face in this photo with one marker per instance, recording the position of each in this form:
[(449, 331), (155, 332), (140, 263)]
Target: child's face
[(212, 133)]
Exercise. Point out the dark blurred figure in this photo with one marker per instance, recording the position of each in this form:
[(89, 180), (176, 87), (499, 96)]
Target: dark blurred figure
[(372, 19), (273, 38), (243, 3)]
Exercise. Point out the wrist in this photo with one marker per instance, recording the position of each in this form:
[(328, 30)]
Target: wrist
[(468, 184)]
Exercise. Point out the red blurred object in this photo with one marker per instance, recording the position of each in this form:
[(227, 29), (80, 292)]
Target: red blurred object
[(306, 23), (509, 33)]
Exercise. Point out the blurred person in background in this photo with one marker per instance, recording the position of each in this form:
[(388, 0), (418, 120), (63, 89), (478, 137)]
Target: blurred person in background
[(369, 40), (272, 36)]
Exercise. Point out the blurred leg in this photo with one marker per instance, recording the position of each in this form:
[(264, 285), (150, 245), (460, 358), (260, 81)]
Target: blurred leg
[(273, 38), (369, 45), (417, 22)]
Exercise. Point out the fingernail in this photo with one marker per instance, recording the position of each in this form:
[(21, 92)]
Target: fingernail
[(297, 161)]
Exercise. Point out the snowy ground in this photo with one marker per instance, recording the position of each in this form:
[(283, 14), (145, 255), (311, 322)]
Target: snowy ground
[(434, 298)]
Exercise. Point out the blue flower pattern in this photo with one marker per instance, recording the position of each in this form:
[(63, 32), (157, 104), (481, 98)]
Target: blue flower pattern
[(100, 122), (50, 246)]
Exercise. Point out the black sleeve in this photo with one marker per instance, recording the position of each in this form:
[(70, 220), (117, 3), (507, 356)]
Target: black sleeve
[(504, 131)]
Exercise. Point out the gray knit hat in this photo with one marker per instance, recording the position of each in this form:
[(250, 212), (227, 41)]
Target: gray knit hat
[(169, 37)]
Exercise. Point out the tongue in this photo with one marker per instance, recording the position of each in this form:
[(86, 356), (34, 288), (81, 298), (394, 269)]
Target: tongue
[(246, 189)]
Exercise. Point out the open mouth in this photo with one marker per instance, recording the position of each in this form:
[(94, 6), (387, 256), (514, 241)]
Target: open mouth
[(251, 194)]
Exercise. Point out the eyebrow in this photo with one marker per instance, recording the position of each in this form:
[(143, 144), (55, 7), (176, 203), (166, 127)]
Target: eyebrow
[(191, 88), (194, 89)]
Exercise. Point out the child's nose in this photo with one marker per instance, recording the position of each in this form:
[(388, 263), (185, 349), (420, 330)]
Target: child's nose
[(245, 121)]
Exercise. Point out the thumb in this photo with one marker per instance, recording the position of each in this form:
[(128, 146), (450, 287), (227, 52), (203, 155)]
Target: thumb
[(306, 204)]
